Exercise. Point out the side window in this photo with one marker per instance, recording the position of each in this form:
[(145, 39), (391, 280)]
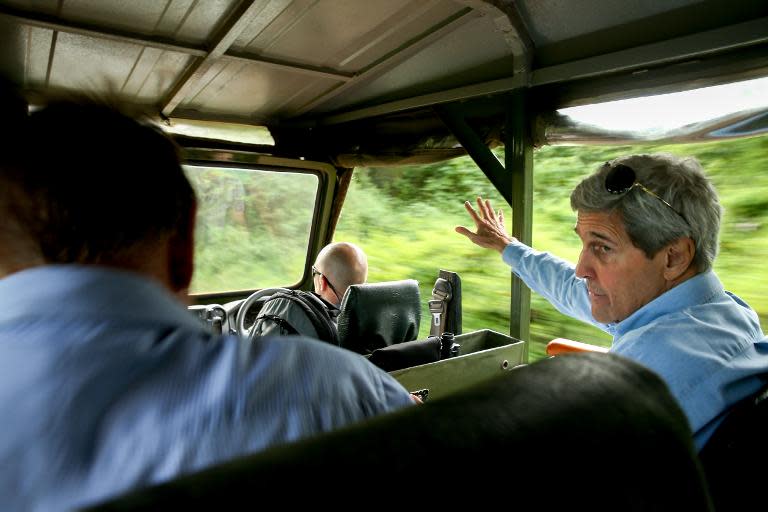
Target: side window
[(404, 219), (253, 227)]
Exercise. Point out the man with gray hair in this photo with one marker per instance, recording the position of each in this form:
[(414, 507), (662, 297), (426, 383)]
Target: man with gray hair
[(649, 230)]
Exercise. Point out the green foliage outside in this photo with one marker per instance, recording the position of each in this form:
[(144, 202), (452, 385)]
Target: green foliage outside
[(404, 218), (253, 227)]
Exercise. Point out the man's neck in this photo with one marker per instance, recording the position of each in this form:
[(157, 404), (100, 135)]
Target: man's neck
[(691, 272)]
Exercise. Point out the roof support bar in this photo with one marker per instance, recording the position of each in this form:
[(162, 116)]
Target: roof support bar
[(518, 156), (453, 117), (237, 22), (513, 180)]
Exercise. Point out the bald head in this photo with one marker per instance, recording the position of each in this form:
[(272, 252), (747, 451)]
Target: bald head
[(342, 264)]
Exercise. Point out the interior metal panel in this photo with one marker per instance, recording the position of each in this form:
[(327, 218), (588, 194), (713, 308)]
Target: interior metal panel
[(484, 354), (137, 15), (204, 19), (46, 6), (37, 55), (402, 26), (393, 30), (237, 87), (448, 62), (319, 62), (338, 29), (185, 20), (173, 18), (154, 74), (102, 67), (266, 20), (551, 21)]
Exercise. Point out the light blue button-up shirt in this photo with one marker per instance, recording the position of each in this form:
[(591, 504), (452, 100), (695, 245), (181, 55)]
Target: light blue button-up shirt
[(107, 383), (706, 343)]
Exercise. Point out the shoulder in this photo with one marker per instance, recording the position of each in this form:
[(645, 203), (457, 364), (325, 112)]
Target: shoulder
[(274, 357), (214, 385), (326, 373), (310, 355), (310, 369), (690, 340)]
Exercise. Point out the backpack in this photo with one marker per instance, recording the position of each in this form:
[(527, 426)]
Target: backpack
[(297, 312)]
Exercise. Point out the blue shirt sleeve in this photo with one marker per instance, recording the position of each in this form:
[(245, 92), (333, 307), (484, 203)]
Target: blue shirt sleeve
[(552, 278)]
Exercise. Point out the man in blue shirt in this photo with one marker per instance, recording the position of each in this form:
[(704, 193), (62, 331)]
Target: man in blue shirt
[(649, 228), (107, 382)]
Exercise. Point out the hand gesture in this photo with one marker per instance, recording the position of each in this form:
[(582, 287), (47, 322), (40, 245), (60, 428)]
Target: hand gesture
[(491, 232)]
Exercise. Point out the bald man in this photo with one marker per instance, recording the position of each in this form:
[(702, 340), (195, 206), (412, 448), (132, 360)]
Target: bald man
[(338, 266)]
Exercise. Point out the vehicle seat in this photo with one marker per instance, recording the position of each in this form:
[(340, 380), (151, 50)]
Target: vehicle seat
[(734, 455), (586, 432), (407, 354), (377, 315)]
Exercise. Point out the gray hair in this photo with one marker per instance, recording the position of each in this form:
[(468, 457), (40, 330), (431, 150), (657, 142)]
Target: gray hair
[(650, 224)]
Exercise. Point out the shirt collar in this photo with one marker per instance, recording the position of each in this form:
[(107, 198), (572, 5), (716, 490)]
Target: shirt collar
[(93, 291), (696, 290)]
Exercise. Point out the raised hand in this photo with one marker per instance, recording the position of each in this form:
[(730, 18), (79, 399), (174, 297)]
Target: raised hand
[(491, 232)]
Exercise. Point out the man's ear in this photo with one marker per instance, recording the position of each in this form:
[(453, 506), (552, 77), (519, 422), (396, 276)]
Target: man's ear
[(679, 256), (181, 255)]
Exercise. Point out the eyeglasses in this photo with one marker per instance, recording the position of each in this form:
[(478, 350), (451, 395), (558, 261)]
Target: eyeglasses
[(316, 272), (622, 178)]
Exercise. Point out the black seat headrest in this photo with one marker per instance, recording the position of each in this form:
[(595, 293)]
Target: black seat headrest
[(377, 315), (557, 426), (737, 443)]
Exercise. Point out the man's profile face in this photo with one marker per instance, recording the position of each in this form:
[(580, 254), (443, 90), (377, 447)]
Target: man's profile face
[(620, 278)]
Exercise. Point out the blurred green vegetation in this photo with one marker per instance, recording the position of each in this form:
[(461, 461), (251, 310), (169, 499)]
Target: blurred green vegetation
[(404, 218), (253, 227)]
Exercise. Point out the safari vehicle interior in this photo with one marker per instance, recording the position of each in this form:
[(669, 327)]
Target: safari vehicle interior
[(285, 98)]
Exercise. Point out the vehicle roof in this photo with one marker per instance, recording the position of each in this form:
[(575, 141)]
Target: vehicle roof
[(315, 63)]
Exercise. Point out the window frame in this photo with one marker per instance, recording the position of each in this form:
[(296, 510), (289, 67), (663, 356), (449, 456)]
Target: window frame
[(327, 185)]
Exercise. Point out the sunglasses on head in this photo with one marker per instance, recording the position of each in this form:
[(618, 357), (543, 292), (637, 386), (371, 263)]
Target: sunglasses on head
[(622, 178)]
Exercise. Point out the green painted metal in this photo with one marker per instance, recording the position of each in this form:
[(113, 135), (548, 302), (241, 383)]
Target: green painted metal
[(484, 354), (519, 163), (513, 180), (453, 116)]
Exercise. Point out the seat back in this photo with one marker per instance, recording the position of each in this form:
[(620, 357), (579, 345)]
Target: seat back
[(299, 312), (733, 456), (608, 426), (407, 354), (377, 315)]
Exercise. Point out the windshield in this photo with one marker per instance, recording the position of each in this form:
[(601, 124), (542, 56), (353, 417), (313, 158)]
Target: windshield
[(253, 227)]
